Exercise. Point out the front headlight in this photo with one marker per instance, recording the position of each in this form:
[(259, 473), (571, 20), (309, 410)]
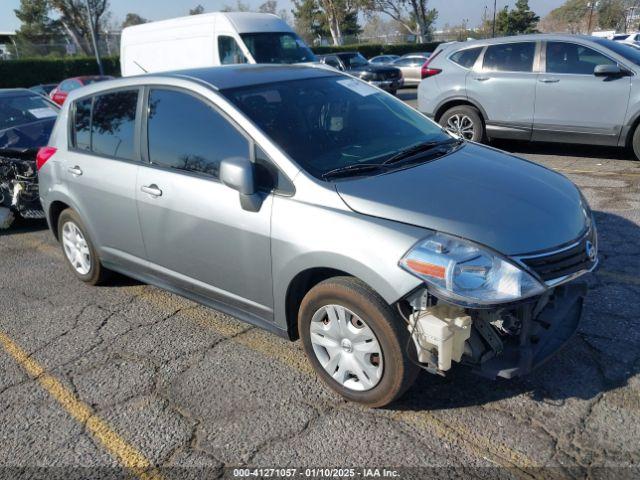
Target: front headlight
[(465, 273)]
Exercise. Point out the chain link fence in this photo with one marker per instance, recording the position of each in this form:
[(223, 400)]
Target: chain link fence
[(12, 48)]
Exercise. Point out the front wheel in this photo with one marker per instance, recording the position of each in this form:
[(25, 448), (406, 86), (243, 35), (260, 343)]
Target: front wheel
[(635, 143), (464, 121), (356, 342)]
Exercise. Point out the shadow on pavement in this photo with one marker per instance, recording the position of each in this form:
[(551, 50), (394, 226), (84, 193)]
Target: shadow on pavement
[(22, 225), (563, 149), (602, 356)]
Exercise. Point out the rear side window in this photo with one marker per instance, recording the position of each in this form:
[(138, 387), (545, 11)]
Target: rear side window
[(229, 51), (466, 58), (82, 124), (185, 133), (510, 57), (105, 124)]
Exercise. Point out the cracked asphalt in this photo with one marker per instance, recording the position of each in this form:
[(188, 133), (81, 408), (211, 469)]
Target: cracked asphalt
[(128, 379)]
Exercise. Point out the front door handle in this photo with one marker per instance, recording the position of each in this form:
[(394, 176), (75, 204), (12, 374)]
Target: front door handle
[(152, 190), (550, 80), (482, 79), (77, 171)]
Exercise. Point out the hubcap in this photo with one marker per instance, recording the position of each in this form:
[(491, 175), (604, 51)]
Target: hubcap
[(460, 125), (76, 248), (346, 347)]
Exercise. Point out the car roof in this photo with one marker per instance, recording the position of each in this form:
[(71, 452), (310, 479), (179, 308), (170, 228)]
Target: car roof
[(227, 76), (521, 38), (9, 92)]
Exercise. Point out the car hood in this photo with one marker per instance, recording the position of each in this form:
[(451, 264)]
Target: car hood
[(374, 69), (509, 204)]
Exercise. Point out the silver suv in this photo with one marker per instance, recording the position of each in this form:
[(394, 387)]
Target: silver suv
[(314, 205), (553, 88)]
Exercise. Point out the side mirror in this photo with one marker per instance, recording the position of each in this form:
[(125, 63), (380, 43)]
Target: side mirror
[(607, 71), (238, 173)]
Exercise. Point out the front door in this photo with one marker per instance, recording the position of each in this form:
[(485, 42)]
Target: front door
[(572, 104), (504, 86), (196, 234)]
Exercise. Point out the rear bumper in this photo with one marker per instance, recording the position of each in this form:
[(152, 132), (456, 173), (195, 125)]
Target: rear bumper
[(542, 335)]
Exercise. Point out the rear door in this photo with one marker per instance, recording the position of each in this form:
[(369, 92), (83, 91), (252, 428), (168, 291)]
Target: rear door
[(195, 232), (101, 166), (572, 104), (504, 86)]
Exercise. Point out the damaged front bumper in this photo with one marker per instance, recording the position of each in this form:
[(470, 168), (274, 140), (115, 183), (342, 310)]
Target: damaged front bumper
[(19, 193), (506, 341)]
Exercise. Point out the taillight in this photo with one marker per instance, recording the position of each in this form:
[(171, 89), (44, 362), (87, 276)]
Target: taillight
[(44, 154), (427, 71)]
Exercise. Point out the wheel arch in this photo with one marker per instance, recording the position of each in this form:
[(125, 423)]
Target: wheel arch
[(55, 209), (456, 102)]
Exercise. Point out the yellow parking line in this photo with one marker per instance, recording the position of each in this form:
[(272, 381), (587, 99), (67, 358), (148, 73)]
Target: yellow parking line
[(128, 456)]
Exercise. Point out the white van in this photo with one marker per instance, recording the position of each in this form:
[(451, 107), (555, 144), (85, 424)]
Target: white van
[(210, 39)]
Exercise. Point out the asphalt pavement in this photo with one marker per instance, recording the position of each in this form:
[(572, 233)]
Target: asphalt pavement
[(128, 379)]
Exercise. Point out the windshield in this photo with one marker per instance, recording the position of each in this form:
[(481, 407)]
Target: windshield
[(627, 51), (22, 109), (278, 47), (334, 122), (353, 59)]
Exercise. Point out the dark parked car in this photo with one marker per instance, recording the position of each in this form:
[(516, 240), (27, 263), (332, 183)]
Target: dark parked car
[(26, 121), (59, 94), (385, 77), (43, 89)]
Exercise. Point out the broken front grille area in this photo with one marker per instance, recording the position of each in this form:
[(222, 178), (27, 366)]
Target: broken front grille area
[(577, 257)]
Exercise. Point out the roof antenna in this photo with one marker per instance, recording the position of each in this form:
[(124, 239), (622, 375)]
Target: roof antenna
[(141, 67)]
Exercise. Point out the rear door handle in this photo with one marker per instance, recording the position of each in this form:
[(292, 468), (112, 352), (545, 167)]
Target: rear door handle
[(550, 80), (75, 170), (482, 79), (152, 190)]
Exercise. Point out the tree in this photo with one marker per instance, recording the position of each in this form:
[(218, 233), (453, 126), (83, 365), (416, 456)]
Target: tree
[(75, 20), (612, 14), (36, 27), (240, 7), (133, 19), (516, 21), (413, 15), (571, 17), (308, 20), (197, 10), (270, 6), (338, 13)]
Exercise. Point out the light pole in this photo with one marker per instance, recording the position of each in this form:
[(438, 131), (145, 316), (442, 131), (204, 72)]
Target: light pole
[(93, 38), (591, 6), (493, 30)]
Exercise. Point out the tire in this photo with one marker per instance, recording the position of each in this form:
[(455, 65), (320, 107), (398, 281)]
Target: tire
[(635, 142), (469, 120), (369, 318), (87, 266)]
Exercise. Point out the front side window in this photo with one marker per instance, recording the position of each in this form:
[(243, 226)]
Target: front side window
[(563, 57), (184, 133), (113, 124), (627, 51), (510, 57), (466, 58), (333, 62), (82, 124), (277, 47), (352, 60), (229, 51), (334, 121)]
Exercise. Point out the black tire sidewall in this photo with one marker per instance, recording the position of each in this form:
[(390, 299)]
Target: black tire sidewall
[(94, 274), (473, 114), (395, 361), (635, 143)]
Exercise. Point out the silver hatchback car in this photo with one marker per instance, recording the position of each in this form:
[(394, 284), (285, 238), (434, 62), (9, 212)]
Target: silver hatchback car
[(553, 88), (314, 205)]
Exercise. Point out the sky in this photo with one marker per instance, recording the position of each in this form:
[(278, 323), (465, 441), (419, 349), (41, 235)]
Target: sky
[(452, 12)]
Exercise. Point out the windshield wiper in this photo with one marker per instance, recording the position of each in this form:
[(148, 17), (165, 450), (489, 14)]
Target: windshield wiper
[(419, 148), (353, 169)]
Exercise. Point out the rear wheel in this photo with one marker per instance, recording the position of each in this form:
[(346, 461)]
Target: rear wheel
[(356, 342), (465, 122), (635, 142), (78, 249)]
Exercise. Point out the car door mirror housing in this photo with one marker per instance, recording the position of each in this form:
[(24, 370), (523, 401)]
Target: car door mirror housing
[(607, 71), (238, 173)]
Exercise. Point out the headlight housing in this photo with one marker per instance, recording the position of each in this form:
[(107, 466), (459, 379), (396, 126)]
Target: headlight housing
[(467, 274)]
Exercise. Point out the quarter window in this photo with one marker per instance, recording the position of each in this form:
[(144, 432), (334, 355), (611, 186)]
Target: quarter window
[(185, 133), (82, 125), (572, 58), (229, 51), (113, 124), (466, 58), (510, 57)]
